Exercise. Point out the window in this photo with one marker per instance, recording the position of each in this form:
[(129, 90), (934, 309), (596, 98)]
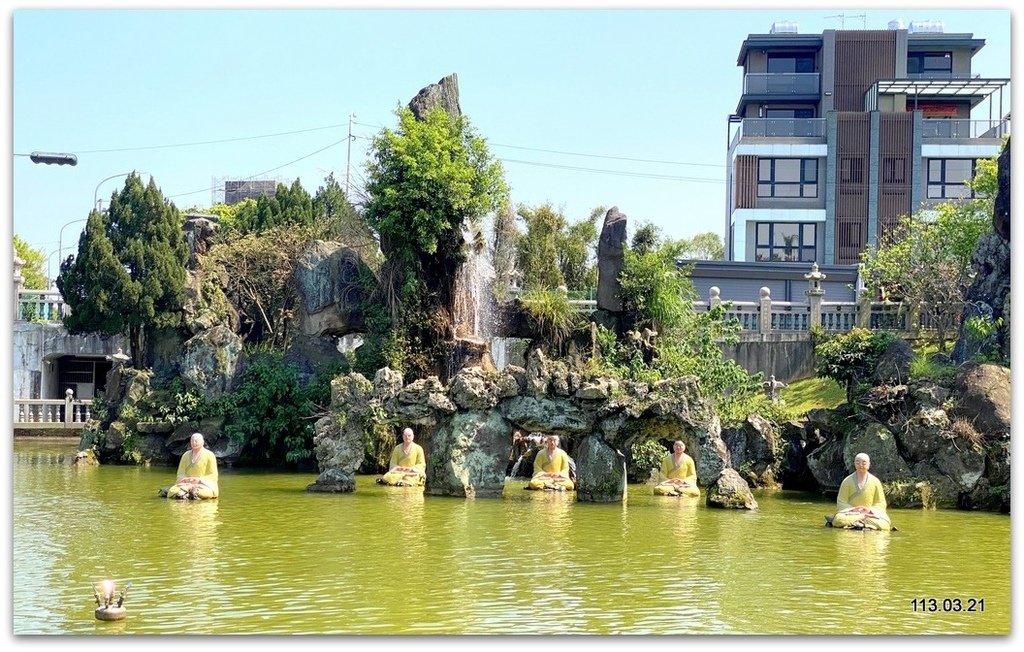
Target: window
[(791, 63), (789, 113), (787, 242), (894, 170), (787, 177), (930, 64), (947, 177)]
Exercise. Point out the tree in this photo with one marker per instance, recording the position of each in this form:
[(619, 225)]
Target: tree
[(129, 274), (427, 181), (32, 270), (703, 246), (538, 249), (576, 244), (926, 260), (503, 250), (344, 223)]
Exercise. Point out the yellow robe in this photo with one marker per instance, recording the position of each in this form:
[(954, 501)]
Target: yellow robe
[(414, 459), (204, 468), (871, 496), (685, 471), (557, 463)]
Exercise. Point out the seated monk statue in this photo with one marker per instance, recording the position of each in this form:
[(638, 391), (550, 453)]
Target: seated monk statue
[(408, 465), (680, 473), (551, 468), (861, 500), (197, 472)]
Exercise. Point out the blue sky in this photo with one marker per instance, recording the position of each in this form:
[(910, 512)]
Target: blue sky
[(585, 107)]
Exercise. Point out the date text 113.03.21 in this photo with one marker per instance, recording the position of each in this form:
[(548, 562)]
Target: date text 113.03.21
[(947, 604)]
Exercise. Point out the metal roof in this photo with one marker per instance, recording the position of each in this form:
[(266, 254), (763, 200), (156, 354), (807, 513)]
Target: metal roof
[(942, 87)]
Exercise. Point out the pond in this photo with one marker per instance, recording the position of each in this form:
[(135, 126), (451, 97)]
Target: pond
[(269, 558)]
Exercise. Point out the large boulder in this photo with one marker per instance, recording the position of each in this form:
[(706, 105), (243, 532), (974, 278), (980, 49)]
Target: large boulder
[(445, 94), (730, 491), (611, 249), (893, 366), (601, 472), (468, 456), (982, 394), (212, 361), (333, 481), (550, 415), (338, 436), (331, 297), (755, 451)]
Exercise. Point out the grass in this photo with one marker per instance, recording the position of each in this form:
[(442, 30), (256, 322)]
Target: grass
[(803, 395)]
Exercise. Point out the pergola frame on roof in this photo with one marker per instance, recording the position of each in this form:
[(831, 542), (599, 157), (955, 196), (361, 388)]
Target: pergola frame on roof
[(975, 88)]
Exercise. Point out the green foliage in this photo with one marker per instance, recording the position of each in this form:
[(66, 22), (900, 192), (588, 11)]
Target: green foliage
[(646, 239), (129, 274), (33, 260), (809, 393), (925, 367), (551, 312), (656, 290), (850, 358), (427, 182), (644, 457), (703, 246), (503, 250), (271, 414), (981, 332), (926, 261), (378, 437), (343, 223), (576, 246), (538, 250)]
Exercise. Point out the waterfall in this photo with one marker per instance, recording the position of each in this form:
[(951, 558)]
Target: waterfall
[(473, 303)]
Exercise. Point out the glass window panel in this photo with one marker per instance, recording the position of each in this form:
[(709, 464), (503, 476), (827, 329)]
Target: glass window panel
[(805, 64), (785, 230), (787, 190), (764, 234), (955, 191), (958, 169), (808, 254), (778, 113), (764, 190), (809, 235), (764, 169), (810, 169), (810, 190), (934, 192), (787, 169), (934, 169), (763, 253)]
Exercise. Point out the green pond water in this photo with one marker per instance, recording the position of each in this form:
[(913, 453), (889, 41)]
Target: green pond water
[(269, 558)]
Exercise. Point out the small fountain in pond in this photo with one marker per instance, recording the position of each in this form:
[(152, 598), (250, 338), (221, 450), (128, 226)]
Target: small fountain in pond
[(106, 608)]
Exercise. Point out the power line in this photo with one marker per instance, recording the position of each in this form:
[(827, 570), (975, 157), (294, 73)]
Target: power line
[(207, 142), (274, 169), (623, 173)]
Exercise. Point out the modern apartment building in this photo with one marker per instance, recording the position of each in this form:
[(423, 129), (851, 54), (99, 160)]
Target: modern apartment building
[(838, 134)]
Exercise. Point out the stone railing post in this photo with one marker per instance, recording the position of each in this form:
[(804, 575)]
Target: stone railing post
[(19, 282), (864, 309), (714, 297), (69, 399), (765, 323), (815, 295)]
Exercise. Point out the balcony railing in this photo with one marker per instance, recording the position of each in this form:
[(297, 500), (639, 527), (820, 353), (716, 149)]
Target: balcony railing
[(41, 305), (963, 128), (781, 83), (66, 413), (782, 127)]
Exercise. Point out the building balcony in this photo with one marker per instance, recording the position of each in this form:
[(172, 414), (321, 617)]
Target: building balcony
[(782, 84), (780, 128), (963, 129)]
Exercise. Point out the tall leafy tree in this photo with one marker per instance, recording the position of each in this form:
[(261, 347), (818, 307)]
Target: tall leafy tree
[(503, 250), (703, 246), (926, 260), (576, 244), (343, 223), (538, 248), (427, 180), (129, 274), (32, 259)]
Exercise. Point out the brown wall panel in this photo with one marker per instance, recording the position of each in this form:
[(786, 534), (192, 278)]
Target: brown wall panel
[(852, 149), (895, 146), (862, 57), (746, 181)]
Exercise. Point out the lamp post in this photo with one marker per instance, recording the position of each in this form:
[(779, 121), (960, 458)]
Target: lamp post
[(60, 239), (95, 193)]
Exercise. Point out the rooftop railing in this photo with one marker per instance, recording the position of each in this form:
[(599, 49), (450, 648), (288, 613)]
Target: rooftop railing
[(964, 128), (782, 128), (781, 83)]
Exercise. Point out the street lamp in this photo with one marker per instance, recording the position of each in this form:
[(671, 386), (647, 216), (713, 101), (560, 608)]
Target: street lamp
[(50, 158), (113, 176), (60, 240)]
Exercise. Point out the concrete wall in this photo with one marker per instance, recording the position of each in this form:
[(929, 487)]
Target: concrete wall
[(790, 356), (34, 344)]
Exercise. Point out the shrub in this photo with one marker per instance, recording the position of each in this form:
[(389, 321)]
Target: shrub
[(850, 358)]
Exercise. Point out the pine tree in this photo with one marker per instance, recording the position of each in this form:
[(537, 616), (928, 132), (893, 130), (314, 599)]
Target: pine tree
[(129, 274)]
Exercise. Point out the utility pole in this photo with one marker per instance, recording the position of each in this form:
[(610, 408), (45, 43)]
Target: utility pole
[(348, 162)]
